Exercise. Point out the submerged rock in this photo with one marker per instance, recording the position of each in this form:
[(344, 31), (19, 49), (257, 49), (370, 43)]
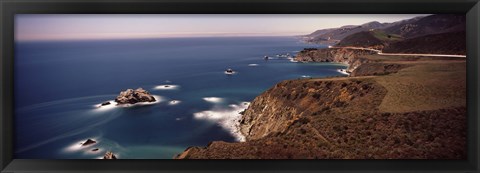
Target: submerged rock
[(131, 96), (95, 149), (89, 142), (109, 155), (105, 103)]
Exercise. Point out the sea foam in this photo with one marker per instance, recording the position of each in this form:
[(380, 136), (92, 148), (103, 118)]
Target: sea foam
[(99, 106), (174, 102), (228, 118), (292, 60), (213, 99), (166, 87), (342, 71)]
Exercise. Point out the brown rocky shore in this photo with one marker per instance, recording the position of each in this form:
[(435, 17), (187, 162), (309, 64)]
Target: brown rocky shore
[(131, 96), (400, 107)]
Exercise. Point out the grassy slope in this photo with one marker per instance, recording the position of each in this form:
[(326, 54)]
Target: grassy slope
[(369, 39), (425, 86), (444, 43)]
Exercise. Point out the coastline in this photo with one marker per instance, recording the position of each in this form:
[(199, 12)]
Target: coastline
[(279, 114)]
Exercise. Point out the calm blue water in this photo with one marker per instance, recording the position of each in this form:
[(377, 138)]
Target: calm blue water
[(58, 84)]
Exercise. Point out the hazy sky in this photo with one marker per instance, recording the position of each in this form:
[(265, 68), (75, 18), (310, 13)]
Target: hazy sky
[(121, 26)]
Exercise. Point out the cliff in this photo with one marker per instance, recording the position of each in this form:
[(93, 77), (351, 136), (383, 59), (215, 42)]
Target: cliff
[(287, 102), (355, 58), (338, 55)]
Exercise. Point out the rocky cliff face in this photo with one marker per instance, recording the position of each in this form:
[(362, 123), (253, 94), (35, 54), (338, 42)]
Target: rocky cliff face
[(339, 55), (287, 102), (352, 57)]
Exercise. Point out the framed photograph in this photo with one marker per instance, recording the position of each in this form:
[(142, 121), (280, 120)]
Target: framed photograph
[(239, 86)]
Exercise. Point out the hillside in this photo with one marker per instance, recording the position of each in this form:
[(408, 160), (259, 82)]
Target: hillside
[(373, 39), (342, 32), (334, 35), (434, 34), (453, 43)]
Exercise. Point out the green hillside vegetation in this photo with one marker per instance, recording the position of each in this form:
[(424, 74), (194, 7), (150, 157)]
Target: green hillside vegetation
[(370, 38), (382, 35), (444, 43)]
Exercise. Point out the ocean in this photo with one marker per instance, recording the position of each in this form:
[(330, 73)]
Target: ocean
[(59, 84)]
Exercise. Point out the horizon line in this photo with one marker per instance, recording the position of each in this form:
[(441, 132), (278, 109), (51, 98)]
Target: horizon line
[(123, 36), (148, 38)]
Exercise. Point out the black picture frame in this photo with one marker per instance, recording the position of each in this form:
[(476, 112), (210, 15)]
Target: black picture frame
[(9, 8)]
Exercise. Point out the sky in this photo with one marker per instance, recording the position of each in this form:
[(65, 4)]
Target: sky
[(37, 27)]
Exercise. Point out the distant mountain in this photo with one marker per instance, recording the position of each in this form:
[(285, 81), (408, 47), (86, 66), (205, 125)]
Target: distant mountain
[(433, 24), (320, 32), (439, 34), (336, 34)]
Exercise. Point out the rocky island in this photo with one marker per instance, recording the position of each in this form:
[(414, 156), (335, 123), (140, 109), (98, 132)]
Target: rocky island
[(131, 96), (89, 142)]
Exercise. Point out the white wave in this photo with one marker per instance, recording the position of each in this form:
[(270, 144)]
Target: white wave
[(228, 118), (99, 106), (253, 65), (292, 60), (213, 99), (166, 87), (178, 119), (174, 102), (306, 76), (343, 71)]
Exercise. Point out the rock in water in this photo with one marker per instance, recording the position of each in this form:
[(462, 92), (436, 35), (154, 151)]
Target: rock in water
[(96, 149), (131, 96), (109, 155), (105, 103), (89, 142)]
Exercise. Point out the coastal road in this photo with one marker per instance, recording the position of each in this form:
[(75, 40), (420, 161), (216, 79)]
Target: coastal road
[(415, 54), (379, 52)]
